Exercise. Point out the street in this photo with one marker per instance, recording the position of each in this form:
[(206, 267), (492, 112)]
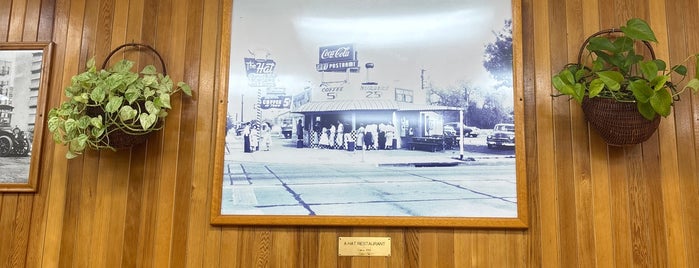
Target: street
[(306, 181), (14, 169)]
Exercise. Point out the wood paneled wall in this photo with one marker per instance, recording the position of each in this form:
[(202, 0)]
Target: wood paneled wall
[(591, 205)]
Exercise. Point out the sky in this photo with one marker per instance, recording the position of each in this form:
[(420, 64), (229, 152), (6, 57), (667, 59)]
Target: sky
[(446, 38)]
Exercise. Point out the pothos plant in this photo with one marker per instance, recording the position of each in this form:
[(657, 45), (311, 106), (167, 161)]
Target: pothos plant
[(101, 102), (618, 72)]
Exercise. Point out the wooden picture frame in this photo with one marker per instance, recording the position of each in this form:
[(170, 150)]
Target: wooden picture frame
[(24, 79), (291, 170)]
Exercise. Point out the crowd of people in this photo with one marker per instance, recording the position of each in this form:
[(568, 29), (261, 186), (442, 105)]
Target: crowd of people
[(369, 137), (372, 136), (254, 138)]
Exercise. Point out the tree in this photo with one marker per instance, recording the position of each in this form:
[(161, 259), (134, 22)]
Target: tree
[(488, 114), (497, 58)]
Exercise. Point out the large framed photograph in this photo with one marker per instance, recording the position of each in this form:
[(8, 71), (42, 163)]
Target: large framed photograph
[(24, 76), (371, 113)]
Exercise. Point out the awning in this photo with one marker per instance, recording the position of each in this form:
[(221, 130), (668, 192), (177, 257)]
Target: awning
[(367, 105)]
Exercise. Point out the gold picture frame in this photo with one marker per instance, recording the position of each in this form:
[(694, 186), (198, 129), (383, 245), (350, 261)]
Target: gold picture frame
[(24, 82), (259, 67)]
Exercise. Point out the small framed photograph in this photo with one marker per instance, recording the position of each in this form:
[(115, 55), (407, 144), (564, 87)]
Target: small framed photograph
[(371, 113), (24, 76)]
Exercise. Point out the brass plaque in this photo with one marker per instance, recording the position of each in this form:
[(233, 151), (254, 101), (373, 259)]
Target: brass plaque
[(364, 246)]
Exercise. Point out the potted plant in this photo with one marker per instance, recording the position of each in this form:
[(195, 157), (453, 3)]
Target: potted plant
[(112, 108), (621, 92)]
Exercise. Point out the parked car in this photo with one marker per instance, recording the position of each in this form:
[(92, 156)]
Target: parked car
[(503, 136), (469, 131), (449, 131), (14, 142)]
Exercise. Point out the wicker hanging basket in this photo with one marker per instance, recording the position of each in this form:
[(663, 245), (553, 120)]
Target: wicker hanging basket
[(117, 138), (618, 123)]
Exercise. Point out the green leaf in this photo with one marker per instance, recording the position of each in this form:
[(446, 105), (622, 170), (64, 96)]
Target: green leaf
[(660, 63), (596, 87), (601, 44), (558, 83), (147, 120), (638, 29), (623, 43), (579, 92), (165, 100), (98, 94), (96, 121), (611, 79), (646, 110), (132, 93), (149, 70), (680, 69), (71, 155), (185, 88), (113, 104), (127, 113), (122, 66), (57, 137), (649, 69), (693, 84), (150, 107), (83, 122), (149, 80), (90, 63), (662, 102), (166, 84), (641, 90), (148, 92), (70, 125), (97, 132), (661, 83), (54, 123), (78, 144)]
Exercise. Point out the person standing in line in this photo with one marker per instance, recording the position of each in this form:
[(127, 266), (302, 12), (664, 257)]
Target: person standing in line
[(254, 138), (360, 137), (299, 134), (324, 138), (382, 136), (390, 135), (246, 139), (332, 136), (299, 130), (339, 138), (373, 129), (266, 136)]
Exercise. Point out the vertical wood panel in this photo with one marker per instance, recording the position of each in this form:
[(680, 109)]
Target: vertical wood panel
[(5, 8), (17, 21), (31, 20), (591, 205)]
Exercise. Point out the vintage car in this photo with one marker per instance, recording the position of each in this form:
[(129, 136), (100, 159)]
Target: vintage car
[(469, 131), (14, 142), (503, 136)]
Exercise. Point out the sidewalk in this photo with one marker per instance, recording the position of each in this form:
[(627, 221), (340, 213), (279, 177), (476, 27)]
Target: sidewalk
[(285, 151)]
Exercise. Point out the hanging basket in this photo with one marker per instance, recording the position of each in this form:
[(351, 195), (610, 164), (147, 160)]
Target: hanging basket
[(117, 138), (619, 123)]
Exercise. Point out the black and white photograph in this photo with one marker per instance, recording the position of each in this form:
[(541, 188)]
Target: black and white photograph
[(371, 108), (21, 93)]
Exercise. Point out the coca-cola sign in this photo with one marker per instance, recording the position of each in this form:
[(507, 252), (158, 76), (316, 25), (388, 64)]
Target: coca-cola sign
[(337, 53)]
